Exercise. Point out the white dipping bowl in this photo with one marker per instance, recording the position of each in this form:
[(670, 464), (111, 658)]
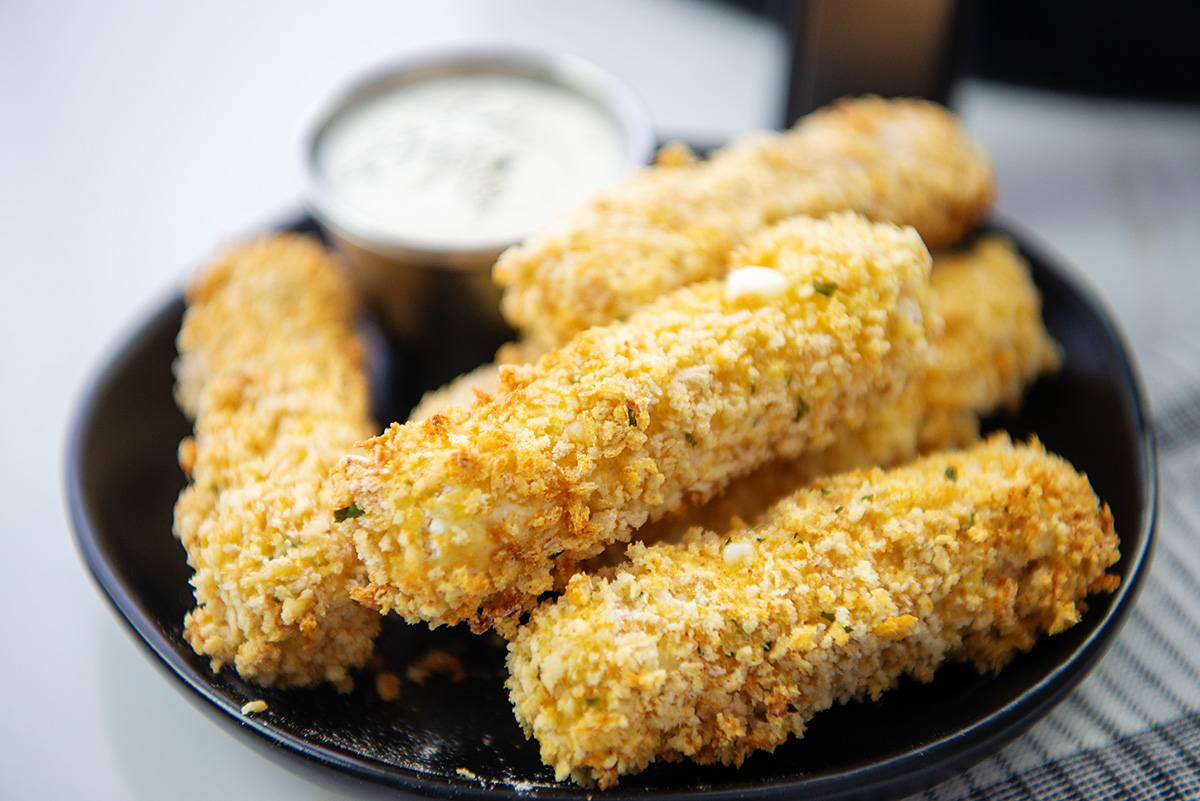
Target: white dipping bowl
[(422, 172)]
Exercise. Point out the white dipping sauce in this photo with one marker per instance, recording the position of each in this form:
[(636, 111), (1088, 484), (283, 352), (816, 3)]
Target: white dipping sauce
[(472, 159)]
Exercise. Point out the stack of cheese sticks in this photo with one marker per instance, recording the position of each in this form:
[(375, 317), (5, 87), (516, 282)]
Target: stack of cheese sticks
[(751, 366)]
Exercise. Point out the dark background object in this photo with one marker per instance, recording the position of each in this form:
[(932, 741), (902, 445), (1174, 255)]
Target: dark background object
[(852, 47), (1147, 50)]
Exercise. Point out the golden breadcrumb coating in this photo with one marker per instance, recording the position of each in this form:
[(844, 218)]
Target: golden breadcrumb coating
[(993, 343), (903, 161), (464, 515), (730, 642), (271, 371)]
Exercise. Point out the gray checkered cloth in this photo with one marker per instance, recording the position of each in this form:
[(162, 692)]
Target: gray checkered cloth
[(1132, 728)]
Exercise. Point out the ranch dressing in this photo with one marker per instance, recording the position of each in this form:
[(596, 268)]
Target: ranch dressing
[(472, 160)]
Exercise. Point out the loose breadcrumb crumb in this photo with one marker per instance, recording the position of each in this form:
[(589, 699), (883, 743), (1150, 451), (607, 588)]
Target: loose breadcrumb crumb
[(254, 707), (387, 686), (436, 661)]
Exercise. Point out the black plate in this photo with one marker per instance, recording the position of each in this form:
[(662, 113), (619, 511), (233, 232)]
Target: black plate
[(461, 740)]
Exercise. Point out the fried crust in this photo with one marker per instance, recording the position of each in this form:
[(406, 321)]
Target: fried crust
[(729, 643)]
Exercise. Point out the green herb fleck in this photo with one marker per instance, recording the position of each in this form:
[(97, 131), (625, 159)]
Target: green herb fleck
[(759, 539), (830, 616), (867, 497), (837, 509), (970, 521), (738, 625), (802, 408), (826, 288), (952, 473), (593, 701), (690, 439), (825, 490), (347, 512), (632, 416), (848, 629), (753, 387)]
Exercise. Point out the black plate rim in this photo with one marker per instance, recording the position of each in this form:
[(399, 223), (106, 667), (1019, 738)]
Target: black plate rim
[(909, 771)]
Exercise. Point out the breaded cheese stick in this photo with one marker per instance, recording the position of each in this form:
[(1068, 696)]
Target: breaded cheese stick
[(463, 515), (271, 371), (730, 642), (992, 345), (904, 161)]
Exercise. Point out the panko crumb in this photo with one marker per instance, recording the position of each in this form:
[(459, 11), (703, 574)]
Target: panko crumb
[(436, 661), (387, 686), (254, 707)]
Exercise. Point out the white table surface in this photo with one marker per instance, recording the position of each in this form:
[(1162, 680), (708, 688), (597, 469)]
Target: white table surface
[(136, 137)]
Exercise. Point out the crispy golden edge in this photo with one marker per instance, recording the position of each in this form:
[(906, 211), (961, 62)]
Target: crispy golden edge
[(478, 385), (464, 515), (271, 371), (903, 161), (730, 642)]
